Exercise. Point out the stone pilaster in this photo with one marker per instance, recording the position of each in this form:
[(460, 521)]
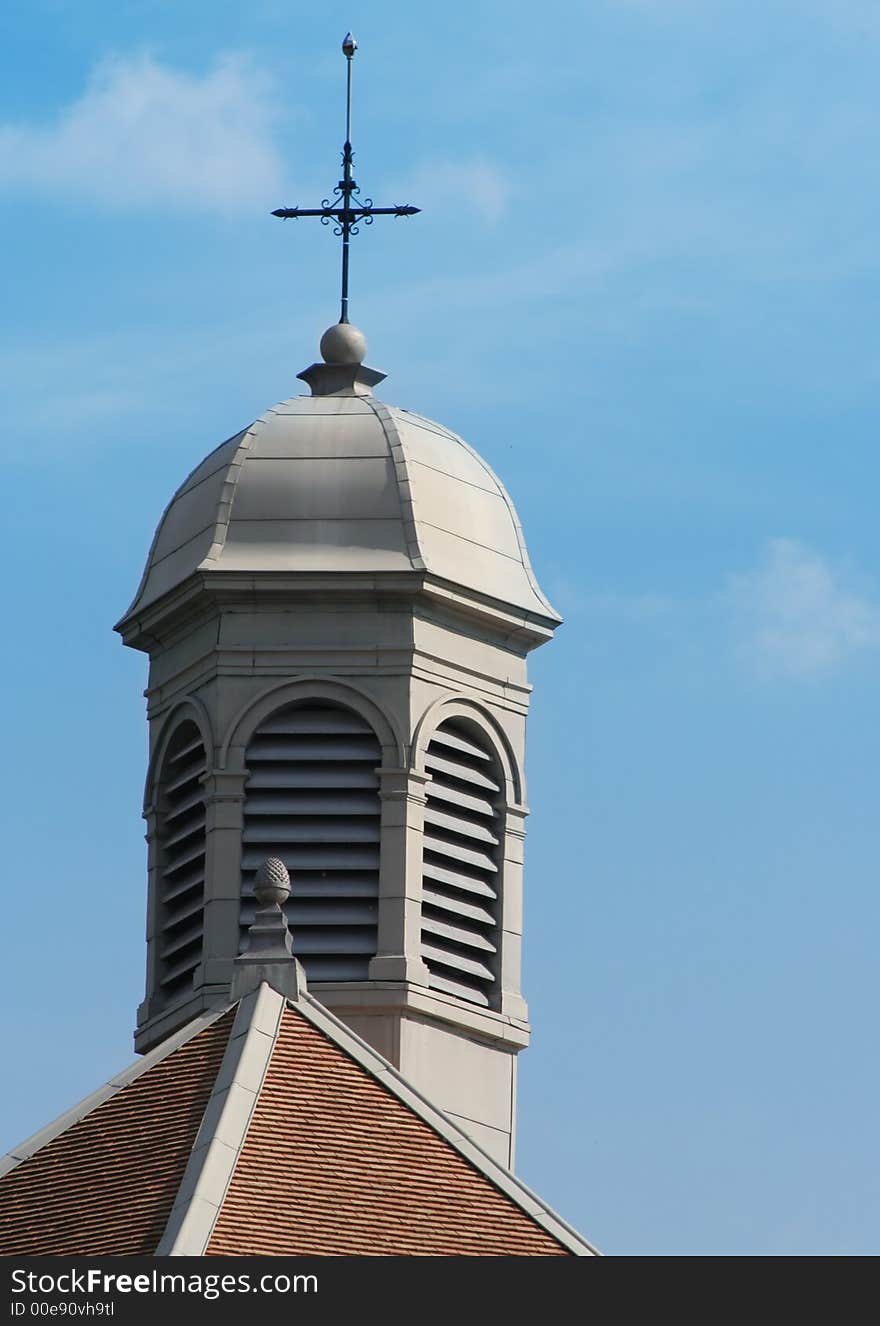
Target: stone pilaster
[(398, 956)]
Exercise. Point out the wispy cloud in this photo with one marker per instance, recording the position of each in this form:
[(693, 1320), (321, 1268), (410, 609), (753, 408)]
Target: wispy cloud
[(477, 183), (146, 135), (797, 617), (632, 609)]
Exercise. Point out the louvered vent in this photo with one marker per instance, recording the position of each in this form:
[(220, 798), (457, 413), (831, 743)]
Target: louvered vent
[(461, 861), (181, 861), (312, 799)]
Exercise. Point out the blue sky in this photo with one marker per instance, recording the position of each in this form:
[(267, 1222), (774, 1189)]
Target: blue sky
[(645, 286)]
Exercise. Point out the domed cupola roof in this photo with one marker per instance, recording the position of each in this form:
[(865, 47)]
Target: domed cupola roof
[(339, 482)]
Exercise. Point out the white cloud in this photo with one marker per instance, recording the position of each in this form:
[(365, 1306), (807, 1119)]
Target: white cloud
[(477, 183), (144, 135), (796, 617)]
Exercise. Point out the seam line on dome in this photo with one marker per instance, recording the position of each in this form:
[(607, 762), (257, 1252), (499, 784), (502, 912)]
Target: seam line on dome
[(453, 534), (316, 414), (429, 426), (293, 520), (224, 503), (177, 547), (148, 565), (520, 537), (188, 487), (318, 404), (318, 455), (233, 437), (227, 492), (491, 492), (404, 486), (194, 487)]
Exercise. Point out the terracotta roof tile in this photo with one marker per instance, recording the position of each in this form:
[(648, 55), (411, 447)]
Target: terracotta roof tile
[(105, 1186), (335, 1164)]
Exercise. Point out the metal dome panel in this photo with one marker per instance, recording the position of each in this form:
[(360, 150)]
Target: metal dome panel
[(345, 483)]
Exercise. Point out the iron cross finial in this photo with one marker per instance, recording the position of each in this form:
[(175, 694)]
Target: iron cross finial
[(345, 208)]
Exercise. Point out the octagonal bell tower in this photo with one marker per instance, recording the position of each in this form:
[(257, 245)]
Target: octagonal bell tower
[(338, 607)]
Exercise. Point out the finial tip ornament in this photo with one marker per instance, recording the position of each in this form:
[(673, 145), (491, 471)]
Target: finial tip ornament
[(268, 952), (272, 882), (349, 45), (343, 344)]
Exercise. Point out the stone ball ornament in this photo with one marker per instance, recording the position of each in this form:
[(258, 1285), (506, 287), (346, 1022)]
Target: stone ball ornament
[(343, 344)]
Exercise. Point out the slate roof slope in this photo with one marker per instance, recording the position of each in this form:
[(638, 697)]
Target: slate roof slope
[(101, 1181), (266, 1129), (356, 1171)]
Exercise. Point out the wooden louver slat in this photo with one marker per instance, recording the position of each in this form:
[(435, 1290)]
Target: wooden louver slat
[(457, 906), (460, 770), (461, 864), (465, 828), (312, 799), (181, 842), (458, 880)]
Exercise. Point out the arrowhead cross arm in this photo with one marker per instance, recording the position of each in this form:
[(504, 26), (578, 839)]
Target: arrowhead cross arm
[(341, 212), (398, 210), (286, 212)]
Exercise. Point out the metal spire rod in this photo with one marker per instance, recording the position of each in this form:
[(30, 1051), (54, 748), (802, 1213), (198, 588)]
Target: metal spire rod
[(345, 208), (349, 46)]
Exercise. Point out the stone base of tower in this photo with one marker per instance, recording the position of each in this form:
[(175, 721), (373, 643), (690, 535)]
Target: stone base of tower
[(463, 1061)]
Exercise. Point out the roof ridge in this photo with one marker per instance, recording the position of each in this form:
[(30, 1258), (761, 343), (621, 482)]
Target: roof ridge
[(224, 1125), (388, 1076), (234, 1099), (148, 564), (212, 1157), (404, 484), (227, 493)]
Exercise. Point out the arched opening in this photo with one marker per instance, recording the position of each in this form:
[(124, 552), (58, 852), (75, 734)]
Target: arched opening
[(312, 799), (461, 863), (181, 861)]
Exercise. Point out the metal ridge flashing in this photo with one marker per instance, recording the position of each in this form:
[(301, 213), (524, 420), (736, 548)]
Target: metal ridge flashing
[(388, 1076), (224, 1125)]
